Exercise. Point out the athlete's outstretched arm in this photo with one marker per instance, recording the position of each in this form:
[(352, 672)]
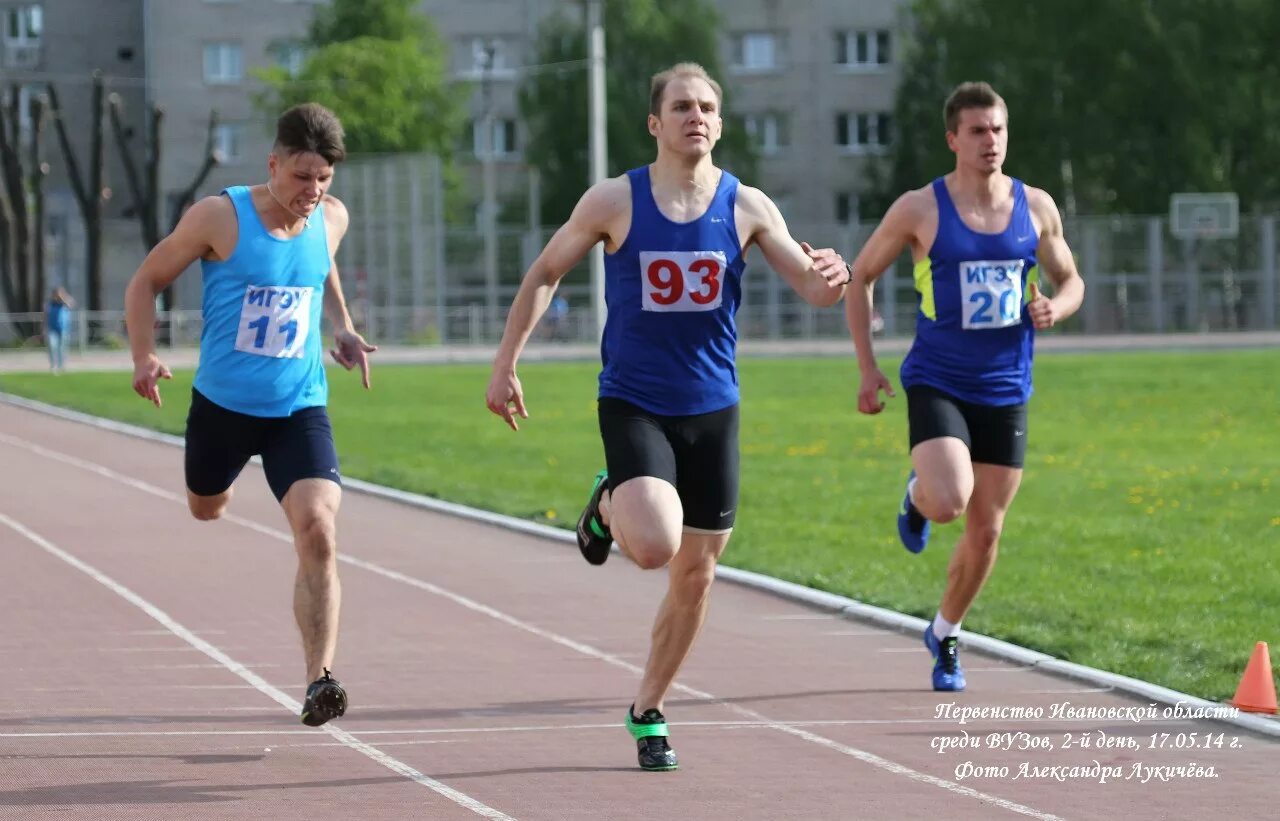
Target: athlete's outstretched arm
[(817, 276), (192, 239), (1055, 259), (587, 225), (885, 245), (350, 349)]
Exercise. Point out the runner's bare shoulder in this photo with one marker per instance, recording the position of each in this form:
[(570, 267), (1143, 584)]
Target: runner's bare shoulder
[(211, 222), (606, 200)]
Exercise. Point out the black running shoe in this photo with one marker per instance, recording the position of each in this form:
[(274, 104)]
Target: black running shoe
[(594, 539), (650, 733), (325, 700)]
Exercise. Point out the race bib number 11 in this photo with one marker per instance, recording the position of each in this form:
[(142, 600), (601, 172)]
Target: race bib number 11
[(274, 321), (991, 293), (681, 280)]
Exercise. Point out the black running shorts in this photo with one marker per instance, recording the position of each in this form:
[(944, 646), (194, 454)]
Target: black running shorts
[(698, 455), (221, 441), (994, 435)]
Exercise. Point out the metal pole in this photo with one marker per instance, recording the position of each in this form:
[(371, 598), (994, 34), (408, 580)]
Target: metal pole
[(395, 328), (417, 249), (441, 260), (597, 143), (1267, 274), (1155, 272), (490, 206)]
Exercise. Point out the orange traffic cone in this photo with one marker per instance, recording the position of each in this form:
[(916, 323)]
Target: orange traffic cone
[(1257, 690)]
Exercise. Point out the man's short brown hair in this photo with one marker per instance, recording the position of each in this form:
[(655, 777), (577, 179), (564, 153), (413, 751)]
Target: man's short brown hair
[(311, 128), (658, 86), (970, 95)]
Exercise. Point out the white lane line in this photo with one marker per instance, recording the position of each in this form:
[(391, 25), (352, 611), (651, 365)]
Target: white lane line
[(946, 727), (564, 641), (249, 676)]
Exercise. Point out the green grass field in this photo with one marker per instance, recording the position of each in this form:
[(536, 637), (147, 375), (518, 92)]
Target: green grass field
[(1144, 540)]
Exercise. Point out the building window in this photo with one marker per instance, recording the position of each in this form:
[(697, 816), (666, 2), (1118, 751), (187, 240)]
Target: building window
[(228, 141), (863, 131), (848, 208), (768, 131), (504, 138), (289, 55), (26, 93), (478, 57), (863, 49), (23, 25), (756, 51), (223, 63)]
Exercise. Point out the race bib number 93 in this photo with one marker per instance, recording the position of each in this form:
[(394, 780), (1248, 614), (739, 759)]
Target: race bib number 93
[(274, 321), (681, 280), (991, 293)]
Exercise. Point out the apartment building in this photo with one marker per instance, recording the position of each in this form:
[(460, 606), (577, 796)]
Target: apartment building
[(59, 44), (813, 81)]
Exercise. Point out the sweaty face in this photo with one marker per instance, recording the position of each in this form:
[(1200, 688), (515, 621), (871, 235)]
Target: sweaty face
[(300, 180), (981, 139), (690, 120)]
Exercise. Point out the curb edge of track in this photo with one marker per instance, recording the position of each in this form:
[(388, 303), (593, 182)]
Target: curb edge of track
[(840, 605)]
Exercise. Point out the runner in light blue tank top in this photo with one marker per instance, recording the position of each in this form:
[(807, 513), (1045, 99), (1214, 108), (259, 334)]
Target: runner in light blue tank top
[(260, 349), (267, 257), (981, 241)]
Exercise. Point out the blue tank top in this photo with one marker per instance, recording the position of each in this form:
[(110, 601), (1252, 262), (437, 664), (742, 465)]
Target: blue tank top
[(58, 317), (672, 290), (974, 337), (260, 351)]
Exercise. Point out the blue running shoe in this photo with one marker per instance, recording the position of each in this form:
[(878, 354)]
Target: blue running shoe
[(947, 673), (913, 528)]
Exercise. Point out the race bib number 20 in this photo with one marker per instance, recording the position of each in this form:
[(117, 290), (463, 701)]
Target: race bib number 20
[(274, 321), (681, 280), (991, 293)]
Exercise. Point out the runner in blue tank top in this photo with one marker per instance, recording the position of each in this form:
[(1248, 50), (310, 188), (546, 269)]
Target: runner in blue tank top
[(980, 242), (267, 258), (675, 235)]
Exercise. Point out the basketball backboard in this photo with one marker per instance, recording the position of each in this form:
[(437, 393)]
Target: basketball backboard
[(1204, 216)]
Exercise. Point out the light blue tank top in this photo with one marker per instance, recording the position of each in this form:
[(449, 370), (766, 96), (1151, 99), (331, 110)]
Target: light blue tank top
[(673, 289), (260, 350), (974, 337)]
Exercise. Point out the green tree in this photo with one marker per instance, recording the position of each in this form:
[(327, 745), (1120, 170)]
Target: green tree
[(383, 69), (1113, 104), (642, 37)]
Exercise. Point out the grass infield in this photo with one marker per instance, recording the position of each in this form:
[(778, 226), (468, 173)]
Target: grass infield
[(1143, 541)]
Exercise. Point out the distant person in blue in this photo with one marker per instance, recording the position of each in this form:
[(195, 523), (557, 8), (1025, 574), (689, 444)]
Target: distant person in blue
[(557, 318), (57, 324), (981, 242), (675, 235), (267, 258)]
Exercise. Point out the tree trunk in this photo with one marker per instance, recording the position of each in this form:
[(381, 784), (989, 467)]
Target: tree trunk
[(146, 191), (18, 218), (37, 170), (89, 195)]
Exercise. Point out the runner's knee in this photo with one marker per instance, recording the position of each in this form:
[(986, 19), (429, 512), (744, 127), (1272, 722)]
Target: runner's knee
[(692, 584), (207, 508), (943, 504), (315, 535), (651, 549)]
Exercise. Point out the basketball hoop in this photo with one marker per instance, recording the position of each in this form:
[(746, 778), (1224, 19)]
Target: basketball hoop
[(1204, 216)]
